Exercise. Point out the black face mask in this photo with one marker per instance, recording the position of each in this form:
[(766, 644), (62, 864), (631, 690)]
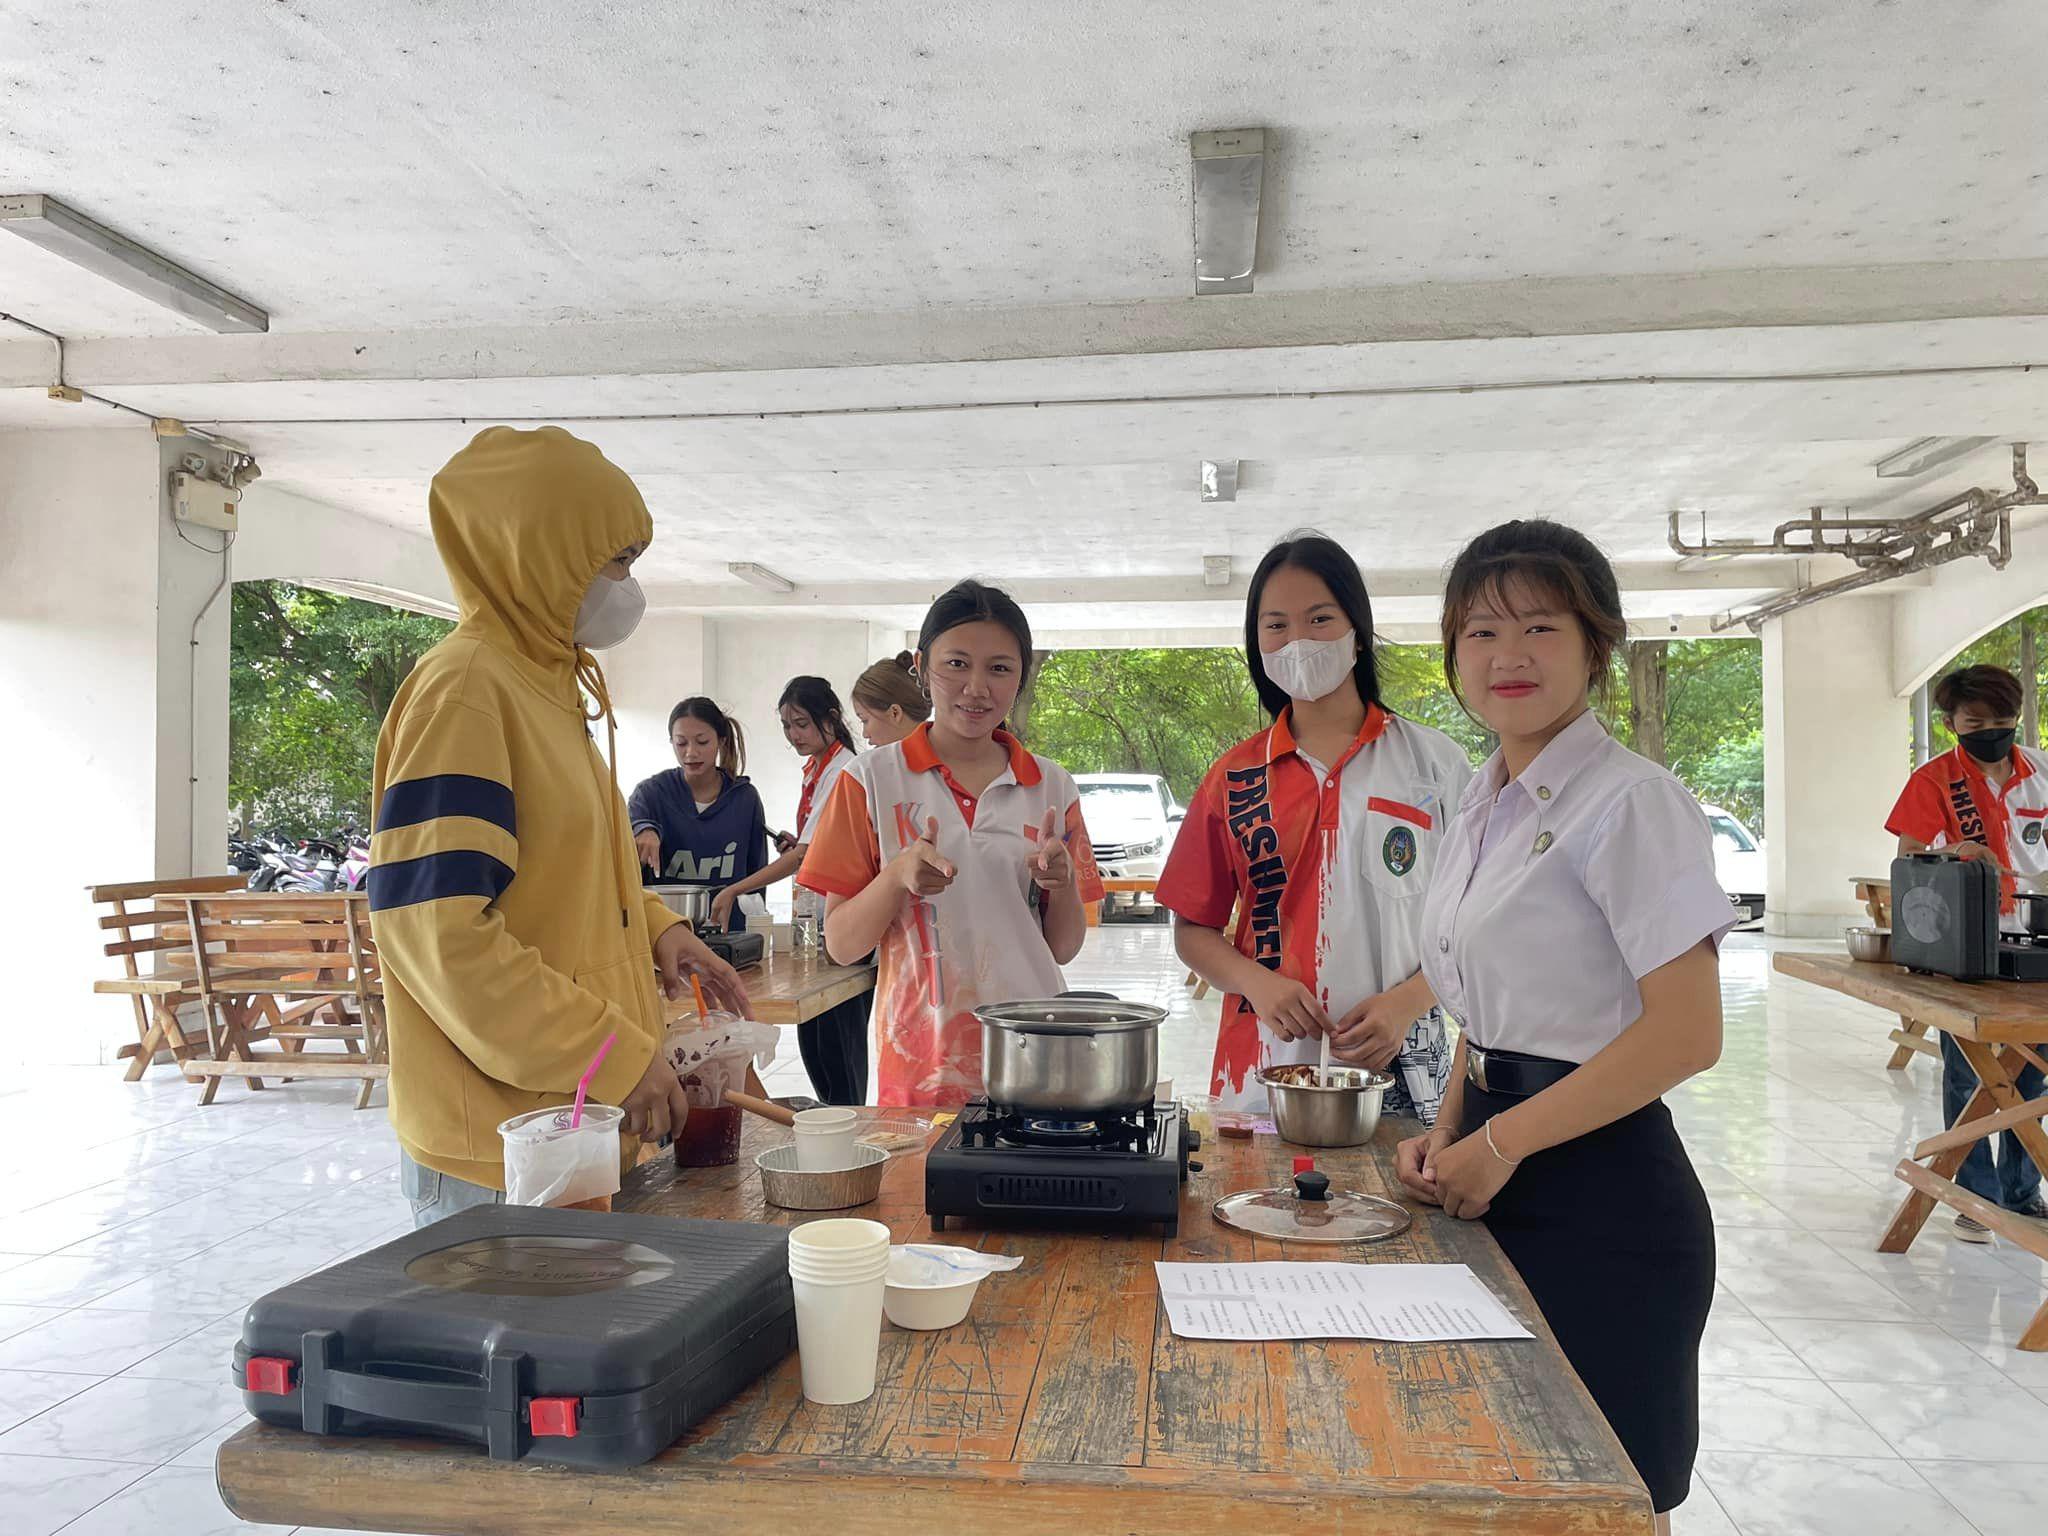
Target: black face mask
[(1988, 746)]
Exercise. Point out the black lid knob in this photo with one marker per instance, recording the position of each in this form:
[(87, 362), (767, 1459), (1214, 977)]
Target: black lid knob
[(1312, 1185)]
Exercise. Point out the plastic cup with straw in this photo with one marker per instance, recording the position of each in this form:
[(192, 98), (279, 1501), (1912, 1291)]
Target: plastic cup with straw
[(583, 1083), (573, 1164)]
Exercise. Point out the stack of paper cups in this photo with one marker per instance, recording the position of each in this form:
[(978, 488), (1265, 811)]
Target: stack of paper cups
[(839, 1269)]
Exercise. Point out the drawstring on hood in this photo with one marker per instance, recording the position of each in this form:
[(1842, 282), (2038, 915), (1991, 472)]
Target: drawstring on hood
[(525, 522), (591, 676)]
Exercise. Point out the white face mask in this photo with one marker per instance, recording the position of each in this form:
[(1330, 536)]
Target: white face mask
[(610, 612), (1312, 669)]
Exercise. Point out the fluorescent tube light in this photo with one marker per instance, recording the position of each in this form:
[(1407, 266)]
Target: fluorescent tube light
[(760, 576), (85, 243), (1230, 171)]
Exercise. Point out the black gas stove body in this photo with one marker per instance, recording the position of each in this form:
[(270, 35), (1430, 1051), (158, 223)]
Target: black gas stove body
[(2022, 959), (994, 1167)]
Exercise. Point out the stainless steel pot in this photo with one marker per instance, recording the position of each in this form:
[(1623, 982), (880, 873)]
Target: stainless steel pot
[(1871, 945), (2033, 906), (692, 903), (1070, 1055)]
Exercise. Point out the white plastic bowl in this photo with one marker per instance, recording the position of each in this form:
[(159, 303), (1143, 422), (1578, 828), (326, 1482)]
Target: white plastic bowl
[(926, 1307)]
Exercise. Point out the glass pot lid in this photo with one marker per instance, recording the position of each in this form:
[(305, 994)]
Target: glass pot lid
[(1309, 1211)]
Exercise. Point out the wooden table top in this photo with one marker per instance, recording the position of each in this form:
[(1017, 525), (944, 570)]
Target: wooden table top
[(1063, 1404), (1998, 1012), (790, 988)]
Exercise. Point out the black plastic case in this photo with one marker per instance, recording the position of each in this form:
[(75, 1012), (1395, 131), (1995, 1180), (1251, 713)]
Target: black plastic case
[(1945, 916), (574, 1337)]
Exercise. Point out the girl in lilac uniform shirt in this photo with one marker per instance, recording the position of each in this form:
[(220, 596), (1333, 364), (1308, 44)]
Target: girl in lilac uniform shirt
[(1572, 929)]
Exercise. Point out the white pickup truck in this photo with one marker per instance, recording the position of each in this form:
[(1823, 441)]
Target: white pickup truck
[(1131, 820)]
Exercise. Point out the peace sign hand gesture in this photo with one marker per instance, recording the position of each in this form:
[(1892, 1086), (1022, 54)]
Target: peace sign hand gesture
[(1052, 867)]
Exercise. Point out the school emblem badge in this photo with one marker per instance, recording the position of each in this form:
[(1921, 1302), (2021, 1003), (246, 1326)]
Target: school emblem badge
[(2032, 832), (1398, 850)]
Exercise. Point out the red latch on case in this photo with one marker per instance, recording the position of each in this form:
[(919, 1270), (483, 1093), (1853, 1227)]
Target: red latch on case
[(266, 1373), (555, 1416)]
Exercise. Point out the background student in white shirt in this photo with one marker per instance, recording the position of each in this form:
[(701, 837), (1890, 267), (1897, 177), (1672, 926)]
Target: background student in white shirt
[(1573, 930)]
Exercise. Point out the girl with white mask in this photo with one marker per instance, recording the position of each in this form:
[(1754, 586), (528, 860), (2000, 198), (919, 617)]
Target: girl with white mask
[(1319, 834)]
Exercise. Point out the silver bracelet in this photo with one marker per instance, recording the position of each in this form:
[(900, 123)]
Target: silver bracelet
[(1512, 1162)]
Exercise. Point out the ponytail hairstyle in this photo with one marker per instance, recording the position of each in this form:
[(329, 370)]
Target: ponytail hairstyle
[(972, 602), (732, 742), (814, 696), (893, 682)]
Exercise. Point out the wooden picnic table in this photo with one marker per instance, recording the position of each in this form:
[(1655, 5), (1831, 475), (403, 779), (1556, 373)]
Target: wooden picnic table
[(790, 988), (2000, 1027), (1064, 1404)]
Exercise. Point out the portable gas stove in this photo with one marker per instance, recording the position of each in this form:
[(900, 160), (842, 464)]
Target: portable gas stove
[(1001, 1167), (738, 950), (2021, 958)]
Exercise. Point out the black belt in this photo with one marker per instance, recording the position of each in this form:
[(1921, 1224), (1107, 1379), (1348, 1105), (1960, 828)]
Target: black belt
[(1512, 1073)]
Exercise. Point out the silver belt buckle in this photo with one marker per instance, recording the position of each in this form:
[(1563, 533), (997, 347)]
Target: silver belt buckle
[(1475, 1067)]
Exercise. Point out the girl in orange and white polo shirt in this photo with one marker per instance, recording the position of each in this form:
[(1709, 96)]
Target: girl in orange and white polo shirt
[(1321, 833), (957, 852)]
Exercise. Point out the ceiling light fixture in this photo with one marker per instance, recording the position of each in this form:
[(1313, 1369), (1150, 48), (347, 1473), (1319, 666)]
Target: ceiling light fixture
[(760, 576), (1215, 570), (86, 243), (1925, 453), (1230, 169), (1219, 479)]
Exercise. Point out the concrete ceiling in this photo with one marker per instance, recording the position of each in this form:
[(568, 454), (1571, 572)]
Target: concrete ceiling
[(876, 296)]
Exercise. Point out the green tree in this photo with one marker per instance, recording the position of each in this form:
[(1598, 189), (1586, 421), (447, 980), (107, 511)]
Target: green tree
[(1174, 712), (311, 676)]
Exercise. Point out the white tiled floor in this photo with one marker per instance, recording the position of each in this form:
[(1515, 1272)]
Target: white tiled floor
[(1844, 1391)]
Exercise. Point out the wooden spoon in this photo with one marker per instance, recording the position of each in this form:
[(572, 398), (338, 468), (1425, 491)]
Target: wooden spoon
[(767, 1109)]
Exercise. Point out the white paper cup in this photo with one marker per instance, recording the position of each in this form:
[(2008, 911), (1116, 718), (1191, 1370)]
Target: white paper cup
[(838, 1270), (838, 1337), (824, 1139)]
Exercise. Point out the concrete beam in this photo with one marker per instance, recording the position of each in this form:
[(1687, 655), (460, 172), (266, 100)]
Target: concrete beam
[(285, 537), (1426, 312), (1737, 578)]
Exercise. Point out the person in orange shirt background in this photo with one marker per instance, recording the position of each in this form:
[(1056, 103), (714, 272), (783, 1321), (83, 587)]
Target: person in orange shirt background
[(888, 701), (1985, 798), (959, 853)]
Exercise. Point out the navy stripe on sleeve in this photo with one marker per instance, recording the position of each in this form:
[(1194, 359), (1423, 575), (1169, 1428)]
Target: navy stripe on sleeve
[(459, 872), (412, 801)]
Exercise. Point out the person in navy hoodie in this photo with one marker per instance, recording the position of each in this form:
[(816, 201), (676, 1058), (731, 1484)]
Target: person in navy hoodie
[(701, 822)]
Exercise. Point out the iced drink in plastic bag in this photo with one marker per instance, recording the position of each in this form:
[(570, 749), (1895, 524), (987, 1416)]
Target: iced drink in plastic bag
[(549, 1162)]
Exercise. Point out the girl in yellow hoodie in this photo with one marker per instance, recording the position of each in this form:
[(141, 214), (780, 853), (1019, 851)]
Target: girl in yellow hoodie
[(504, 889)]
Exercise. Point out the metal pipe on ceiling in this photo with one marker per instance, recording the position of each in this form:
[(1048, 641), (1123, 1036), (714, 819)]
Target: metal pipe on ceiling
[(1974, 522)]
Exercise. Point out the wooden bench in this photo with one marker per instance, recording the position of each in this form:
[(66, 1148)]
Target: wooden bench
[(267, 967), (135, 918)]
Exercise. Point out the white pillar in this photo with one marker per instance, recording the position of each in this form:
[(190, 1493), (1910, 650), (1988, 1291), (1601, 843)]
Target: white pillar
[(669, 658), (1837, 749), (118, 769)]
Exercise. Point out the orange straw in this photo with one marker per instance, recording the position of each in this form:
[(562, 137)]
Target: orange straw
[(697, 987)]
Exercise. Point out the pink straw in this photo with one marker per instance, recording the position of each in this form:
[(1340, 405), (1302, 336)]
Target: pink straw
[(583, 1084)]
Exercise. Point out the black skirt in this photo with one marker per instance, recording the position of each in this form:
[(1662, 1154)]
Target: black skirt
[(1614, 1238)]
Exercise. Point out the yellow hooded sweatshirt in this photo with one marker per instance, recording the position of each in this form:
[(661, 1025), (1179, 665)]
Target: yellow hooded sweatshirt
[(504, 889)]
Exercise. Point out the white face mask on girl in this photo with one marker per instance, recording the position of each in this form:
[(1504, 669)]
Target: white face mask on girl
[(610, 612), (1312, 669)]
